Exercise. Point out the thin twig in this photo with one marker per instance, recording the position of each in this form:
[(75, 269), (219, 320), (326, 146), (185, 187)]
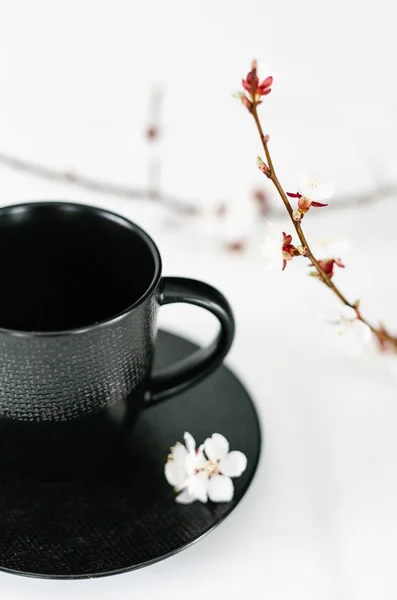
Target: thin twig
[(297, 224), (94, 184), (271, 174)]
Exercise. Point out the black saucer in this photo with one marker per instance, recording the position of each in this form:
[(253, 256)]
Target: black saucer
[(126, 517)]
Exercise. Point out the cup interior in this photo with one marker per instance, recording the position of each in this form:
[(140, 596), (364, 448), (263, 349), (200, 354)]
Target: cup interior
[(66, 266)]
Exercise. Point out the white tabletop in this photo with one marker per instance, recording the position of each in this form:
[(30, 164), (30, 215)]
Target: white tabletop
[(320, 519)]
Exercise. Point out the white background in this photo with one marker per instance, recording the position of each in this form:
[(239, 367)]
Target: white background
[(320, 520)]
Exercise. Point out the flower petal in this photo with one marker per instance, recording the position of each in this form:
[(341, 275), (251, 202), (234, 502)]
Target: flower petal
[(190, 442), (234, 464), (198, 486), (175, 473), (267, 82), (195, 460), (349, 333), (216, 447), (341, 248), (273, 265), (179, 453), (325, 191), (220, 489), (342, 312), (303, 183), (319, 204), (185, 498), (272, 233), (353, 338), (312, 188), (330, 248), (246, 85), (271, 247)]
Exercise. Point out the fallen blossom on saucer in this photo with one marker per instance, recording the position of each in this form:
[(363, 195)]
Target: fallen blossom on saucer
[(350, 334), (204, 473)]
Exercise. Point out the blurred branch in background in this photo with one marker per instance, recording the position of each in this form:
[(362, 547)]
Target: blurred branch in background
[(93, 184), (188, 207), (154, 192), (153, 135)]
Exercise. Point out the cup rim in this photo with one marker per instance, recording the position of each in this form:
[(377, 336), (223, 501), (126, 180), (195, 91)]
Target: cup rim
[(20, 333)]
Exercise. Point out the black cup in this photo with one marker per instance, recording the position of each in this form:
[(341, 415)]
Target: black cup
[(80, 291)]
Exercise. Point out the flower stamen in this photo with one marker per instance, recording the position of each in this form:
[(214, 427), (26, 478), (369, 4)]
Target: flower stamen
[(211, 467)]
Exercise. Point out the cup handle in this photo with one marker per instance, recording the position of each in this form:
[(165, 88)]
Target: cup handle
[(187, 372)]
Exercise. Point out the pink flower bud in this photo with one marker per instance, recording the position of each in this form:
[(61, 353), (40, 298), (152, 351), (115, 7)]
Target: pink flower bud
[(263, 166), (304, 204), (152, 133), (387, 343), (243, 99), (245, 102), (236, 246), (261, 200), (253, 87), (297, 215), (327, 265)]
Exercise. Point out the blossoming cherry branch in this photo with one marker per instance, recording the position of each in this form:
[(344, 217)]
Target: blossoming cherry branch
[(277, 247)]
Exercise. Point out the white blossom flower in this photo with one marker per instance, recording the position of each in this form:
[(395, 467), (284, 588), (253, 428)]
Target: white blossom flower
[(310, 187), (351, 333), (199, 476), (277, 249), (330, 248), (272, 247)]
